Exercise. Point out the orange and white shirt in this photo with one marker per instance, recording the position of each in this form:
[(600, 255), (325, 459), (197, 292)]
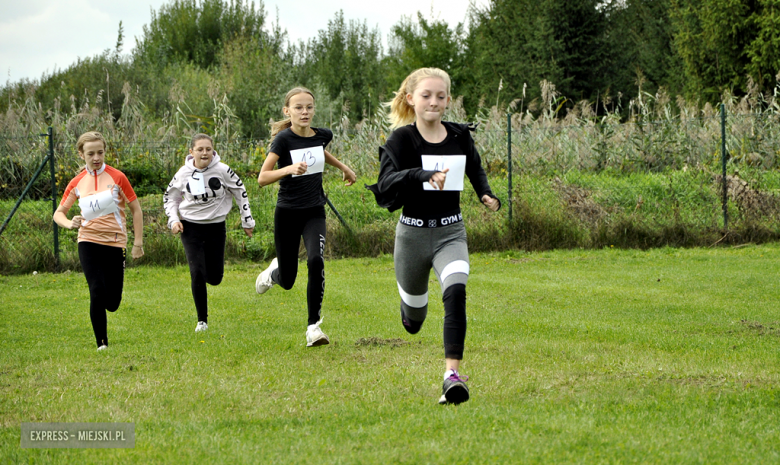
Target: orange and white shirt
[(110, 226)]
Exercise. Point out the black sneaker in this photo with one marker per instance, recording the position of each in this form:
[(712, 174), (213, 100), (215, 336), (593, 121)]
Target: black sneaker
[(454, 390), (411, 326)]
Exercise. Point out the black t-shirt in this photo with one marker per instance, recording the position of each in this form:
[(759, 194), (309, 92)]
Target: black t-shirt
[(427, 203), (300, 191)]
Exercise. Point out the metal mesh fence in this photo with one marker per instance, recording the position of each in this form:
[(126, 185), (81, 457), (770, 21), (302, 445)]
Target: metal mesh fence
[(583, 184), (28, 240)]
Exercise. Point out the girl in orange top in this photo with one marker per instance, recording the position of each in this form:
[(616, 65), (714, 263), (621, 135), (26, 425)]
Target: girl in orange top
[(102, 193)]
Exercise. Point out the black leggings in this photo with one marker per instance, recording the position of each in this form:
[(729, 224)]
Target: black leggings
[(289, 226), (104, 268), (204, 245)]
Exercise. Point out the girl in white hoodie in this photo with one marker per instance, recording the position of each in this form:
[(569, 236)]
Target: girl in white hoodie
[(197, 201)]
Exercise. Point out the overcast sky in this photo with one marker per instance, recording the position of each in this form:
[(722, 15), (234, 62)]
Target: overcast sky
[(38, 36)]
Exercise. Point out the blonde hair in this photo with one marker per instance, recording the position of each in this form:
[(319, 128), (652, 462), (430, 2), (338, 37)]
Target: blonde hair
[(90, 136), (200, 136), (278, 126), (401, 113)]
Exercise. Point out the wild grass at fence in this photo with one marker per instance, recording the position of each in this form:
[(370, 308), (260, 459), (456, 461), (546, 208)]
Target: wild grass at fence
[(577, 210), (608, 356), (550, 137)]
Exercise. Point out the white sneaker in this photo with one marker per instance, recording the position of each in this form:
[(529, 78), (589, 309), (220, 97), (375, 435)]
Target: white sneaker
[(315, 337), (103, 347), (202, 326), (264, 281)]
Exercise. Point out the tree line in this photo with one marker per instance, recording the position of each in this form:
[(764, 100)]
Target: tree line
[(195, 55)]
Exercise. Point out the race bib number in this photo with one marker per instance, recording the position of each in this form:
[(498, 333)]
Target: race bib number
[(456, 164), (97, 205), (314, 157), (197, 185)]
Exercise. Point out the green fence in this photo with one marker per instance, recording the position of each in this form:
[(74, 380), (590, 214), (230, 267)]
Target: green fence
[(586, 183)]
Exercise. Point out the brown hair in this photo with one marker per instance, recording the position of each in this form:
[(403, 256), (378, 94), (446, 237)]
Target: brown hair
[(90, 136), (278, 126), (401, 113), (200, 136)]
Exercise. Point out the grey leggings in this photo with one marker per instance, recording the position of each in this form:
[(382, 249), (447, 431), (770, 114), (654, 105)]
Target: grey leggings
[(444, 249)]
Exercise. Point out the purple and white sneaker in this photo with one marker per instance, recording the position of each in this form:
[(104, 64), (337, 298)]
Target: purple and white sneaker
[(454, 390)]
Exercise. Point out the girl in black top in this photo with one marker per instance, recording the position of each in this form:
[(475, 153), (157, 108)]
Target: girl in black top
[(422, 169), (299, 151)]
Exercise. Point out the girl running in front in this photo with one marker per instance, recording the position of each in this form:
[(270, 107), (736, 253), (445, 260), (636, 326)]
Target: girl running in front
[(422, 166), (197, 202), (299, 150), (102, 193)]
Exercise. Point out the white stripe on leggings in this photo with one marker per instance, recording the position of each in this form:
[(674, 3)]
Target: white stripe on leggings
[(414, 301), (458, 266)]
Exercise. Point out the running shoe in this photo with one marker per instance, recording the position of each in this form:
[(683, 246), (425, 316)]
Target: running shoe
[(454, 390), (315, 337), (202, 326), (264, 281), (103, 347)]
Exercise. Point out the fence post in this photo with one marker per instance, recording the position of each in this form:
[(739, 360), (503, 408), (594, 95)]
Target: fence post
[(24, 193), (724, 159), (338, 215), (509, 161), (50, 134)]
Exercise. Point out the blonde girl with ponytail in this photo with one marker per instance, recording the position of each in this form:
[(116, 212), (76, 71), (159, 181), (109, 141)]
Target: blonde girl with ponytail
[(422, 170), (296, 160)]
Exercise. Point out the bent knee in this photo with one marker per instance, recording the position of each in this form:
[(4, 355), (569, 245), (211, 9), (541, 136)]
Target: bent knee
[(113, 304), (456, 272), (316, 264)]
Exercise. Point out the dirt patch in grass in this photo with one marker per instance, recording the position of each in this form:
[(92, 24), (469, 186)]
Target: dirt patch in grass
[(772, 329), (711, 381), (378, 341)]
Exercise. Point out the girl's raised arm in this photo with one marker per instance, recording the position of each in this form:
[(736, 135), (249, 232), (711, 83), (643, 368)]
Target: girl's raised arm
[(61, 219)]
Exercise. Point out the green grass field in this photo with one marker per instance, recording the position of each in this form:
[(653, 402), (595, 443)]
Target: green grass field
[(607, 356)]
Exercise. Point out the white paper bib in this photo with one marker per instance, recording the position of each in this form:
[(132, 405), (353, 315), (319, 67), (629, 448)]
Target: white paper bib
[(197, 184), (314, 157), (456, 164), (97, 205)]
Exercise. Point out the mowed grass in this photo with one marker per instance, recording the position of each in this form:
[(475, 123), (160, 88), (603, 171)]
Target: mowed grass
[(608, 356)]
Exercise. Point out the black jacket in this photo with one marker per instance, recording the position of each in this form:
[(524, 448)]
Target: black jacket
[(400, 165)]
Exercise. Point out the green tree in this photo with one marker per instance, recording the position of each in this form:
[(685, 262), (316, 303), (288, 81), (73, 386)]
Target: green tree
[(424, 43), (640, 41), (518, 42), (91, 81), (345, 59), (764, 50), (195, 32), (255, 75), (712, 39)]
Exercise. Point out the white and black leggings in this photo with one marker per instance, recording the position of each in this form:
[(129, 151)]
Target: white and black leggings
[(290, 224), (443, 248)]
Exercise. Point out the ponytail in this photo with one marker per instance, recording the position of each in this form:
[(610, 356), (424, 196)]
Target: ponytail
[(279, 126), (401, 113)]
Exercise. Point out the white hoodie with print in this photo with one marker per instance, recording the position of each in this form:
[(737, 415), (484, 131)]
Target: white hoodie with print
[(222, 186)]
